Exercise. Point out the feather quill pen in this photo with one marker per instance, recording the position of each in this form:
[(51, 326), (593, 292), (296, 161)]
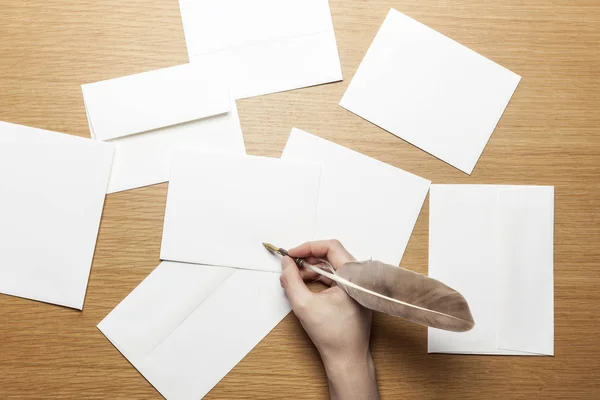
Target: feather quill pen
[(397, 291)]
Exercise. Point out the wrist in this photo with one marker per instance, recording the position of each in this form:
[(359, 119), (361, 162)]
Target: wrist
[(347, 362), (352, 377)]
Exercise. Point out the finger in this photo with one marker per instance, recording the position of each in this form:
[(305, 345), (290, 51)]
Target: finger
[(313, 260), (310, 275), (292, 283), (332, 250), (325, 280), (316, 276)]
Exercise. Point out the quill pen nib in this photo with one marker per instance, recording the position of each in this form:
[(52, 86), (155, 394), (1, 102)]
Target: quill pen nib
[(299, 261), (277, 250), (272, 248)]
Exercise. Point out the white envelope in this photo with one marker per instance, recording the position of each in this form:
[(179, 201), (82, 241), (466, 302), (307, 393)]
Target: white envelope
[(430, 91), (262, 46), (148, 115), (494, 244), (370, 206), (51, 198), (220, 208), (186, 326)]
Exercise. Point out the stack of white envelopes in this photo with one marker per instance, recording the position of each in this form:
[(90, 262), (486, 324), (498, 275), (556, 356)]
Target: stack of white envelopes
[(220, 281)]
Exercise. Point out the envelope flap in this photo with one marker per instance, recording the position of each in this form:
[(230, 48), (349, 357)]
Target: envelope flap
[(526, 275), (150, 313), (212, 26), (152, 100)]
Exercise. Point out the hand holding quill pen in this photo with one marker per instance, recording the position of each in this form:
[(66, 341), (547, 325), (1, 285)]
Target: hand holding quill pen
[(396, 291)]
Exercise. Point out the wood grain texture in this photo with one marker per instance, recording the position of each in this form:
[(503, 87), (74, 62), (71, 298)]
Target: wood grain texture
[(550, 134)]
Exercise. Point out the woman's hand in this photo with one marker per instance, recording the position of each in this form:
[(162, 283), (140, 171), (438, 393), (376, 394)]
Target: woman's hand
[(339, 327)]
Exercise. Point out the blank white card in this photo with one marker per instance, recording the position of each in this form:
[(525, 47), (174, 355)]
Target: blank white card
[(370, 206), (220, 208), (494, 244), (52, 189), (430, 91)]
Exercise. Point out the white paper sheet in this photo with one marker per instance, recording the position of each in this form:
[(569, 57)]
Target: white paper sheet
[(494, 244), (430, 91), (186, 326), (51, 197), (220, 208), (262, 46), (370, 206), (148, 115)]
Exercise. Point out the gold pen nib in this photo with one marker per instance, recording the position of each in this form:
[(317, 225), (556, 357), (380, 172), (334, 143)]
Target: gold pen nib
[(276, 250), (271, 248)]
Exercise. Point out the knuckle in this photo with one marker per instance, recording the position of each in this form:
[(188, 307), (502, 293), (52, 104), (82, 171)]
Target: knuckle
[(335, 243)]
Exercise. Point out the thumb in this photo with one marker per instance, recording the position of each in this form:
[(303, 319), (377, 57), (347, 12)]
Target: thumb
[(292, 283)]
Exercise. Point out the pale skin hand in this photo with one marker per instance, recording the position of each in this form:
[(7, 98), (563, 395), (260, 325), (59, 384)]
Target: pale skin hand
[(339, 327)]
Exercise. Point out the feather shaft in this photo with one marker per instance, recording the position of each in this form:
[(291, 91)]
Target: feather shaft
[(344, 282)]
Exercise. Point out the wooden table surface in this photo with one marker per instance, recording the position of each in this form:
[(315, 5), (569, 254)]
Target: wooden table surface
[(549, 135)]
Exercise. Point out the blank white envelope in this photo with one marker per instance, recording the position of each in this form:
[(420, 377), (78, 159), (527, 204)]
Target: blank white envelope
[(51, 197), (494, 244), (186, 326), (370, 206), (220, 208), (148, 115), (430, 91), (262, 46)]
